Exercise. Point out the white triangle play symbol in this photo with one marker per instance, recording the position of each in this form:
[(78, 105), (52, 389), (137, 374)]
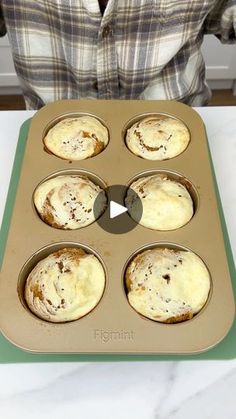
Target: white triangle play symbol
[(116, 209)]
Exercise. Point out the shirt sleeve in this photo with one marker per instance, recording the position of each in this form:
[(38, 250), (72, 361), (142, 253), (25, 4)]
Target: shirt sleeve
[(2, 23), (221, 21)]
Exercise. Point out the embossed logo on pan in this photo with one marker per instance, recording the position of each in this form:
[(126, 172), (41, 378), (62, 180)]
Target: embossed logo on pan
[(107, 335)]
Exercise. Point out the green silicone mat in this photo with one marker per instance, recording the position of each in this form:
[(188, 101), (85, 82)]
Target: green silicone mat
[(11, 354)]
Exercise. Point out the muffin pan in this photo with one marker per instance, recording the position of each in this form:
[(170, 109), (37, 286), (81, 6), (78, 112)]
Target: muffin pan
[(113, 326)]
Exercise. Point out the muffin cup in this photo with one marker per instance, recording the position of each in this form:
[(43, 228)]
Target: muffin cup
[(42, 254), (63, 117), (164, 245), (177, 177), (73, 172), (140, 117)]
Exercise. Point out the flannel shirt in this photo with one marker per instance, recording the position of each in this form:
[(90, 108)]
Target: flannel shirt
[(136, 50)]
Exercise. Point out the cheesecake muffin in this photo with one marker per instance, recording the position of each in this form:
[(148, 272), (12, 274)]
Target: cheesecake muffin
[(166, 285), (67, 201), (65, 286), (77, 138), (157, 137), (166, 204)]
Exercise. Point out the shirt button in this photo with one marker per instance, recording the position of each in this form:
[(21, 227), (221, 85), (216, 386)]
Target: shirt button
[(106, 31)]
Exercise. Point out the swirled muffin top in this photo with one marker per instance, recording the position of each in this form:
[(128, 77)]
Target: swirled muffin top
[(157, 137), (67, 201), (166, 285), (166, 204), (65, 286), (77, 138)]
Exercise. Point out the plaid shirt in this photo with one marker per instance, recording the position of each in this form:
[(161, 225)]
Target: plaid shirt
[(137, 50)]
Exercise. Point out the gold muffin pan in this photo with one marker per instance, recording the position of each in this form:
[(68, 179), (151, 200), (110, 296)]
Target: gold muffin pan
[(114, 326)]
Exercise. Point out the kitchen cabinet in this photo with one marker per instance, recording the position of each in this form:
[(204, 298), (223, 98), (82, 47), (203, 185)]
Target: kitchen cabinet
[(220, 63), (8, 78)]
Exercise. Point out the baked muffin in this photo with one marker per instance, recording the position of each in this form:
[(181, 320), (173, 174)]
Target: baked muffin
[(157, 137), (67, 201), (77, 138), (166, 285), (167, 205), (65, 286)]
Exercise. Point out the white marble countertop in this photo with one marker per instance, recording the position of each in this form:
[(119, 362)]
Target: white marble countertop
[(124, 390)]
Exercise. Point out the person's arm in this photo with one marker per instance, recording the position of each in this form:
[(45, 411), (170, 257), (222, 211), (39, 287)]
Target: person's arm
[(2, 23), (221, 21)]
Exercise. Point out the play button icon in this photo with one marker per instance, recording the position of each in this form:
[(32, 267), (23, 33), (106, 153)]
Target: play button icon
[(116, 219), (116, 209)]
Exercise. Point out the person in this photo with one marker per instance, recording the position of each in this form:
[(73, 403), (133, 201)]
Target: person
[(115, 49)]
